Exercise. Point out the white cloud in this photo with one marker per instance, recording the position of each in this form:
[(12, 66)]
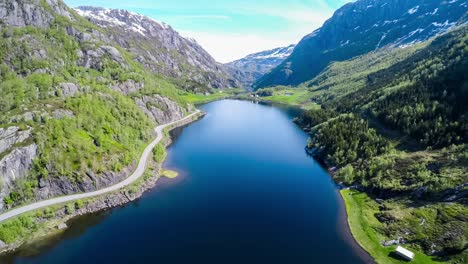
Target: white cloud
[(312, 17), (299, 19), (227, 47)]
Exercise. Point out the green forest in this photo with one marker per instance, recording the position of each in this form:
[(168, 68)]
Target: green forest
[(103, 131), (394, 124)]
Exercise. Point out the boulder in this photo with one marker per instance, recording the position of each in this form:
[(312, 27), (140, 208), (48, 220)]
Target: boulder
[(62, 226), (69, 89)]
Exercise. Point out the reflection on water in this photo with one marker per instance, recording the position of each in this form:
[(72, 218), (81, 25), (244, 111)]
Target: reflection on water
[(247, 193)]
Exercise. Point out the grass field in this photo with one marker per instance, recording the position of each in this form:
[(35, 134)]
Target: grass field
[(296, 97), (361, 209), (201, 98)]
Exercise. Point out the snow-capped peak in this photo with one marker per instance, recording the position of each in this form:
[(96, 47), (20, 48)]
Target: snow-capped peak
[(278, 53), (117, 17)]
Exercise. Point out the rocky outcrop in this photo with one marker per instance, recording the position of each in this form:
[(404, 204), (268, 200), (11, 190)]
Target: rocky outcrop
[(94, 59), (62, 113), (12, 135), (160, 48), (15, 166), (30, 116), (58, 186), (128, 87), (20, 13), (160, 109), (69, 89)]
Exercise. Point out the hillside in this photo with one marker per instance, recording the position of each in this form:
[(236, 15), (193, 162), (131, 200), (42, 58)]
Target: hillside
[(392, 124), (76, 108), (252, 67), (160, 48), (363, 26)]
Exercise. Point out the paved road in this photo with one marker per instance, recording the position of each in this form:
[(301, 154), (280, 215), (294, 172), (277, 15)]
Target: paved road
[(135, 176)]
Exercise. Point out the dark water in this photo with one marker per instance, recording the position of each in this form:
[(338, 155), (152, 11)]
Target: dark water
[(247, 193)]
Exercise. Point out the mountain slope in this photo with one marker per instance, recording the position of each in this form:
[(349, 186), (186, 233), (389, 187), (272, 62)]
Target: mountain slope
[(159, 47), (364, 26), (399, 136), (76, 109), (250, 68)]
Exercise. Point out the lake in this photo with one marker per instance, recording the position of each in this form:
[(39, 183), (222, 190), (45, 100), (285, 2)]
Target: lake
[(247, 193)]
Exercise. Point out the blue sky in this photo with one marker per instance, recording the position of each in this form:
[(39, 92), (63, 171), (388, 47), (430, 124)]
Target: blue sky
[(231, 29)]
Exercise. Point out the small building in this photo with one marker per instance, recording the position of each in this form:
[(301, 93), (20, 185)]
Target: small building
[(404, 253)]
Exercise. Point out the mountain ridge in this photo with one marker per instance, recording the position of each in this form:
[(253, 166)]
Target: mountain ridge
[(253, 66), (160, 48), (363, 26)]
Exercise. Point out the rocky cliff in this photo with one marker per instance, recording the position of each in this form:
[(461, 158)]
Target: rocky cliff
[(363, 26), (21, 13), (159, 47)]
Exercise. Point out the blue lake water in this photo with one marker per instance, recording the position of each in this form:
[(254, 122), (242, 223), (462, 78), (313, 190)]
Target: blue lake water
[(247, 193)]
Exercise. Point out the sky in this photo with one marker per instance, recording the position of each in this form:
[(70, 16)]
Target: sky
[(232, 29)]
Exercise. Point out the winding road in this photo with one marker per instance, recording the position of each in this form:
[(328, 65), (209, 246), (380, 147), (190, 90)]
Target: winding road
[(132, 178)]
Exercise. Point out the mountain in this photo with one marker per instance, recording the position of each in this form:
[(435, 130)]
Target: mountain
[(364, 26), (159, 47), (393, 125), (76, 107), (250, 68)]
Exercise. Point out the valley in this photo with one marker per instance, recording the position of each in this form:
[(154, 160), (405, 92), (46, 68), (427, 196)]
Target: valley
[(377, 93)]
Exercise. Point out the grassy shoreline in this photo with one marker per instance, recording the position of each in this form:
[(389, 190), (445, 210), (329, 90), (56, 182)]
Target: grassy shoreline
[(198, 99), (360, 210)]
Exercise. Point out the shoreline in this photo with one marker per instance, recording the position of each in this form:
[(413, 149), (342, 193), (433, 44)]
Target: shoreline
[(343, 222), (57, 224), (121, 197), (343, 218)]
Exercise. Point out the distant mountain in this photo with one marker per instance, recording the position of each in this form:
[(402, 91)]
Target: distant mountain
[(363, 26), (159, 47), (250, 68)]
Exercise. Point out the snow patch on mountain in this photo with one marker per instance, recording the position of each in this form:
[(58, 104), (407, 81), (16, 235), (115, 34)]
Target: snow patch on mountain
[(132, 21), (252, 67), (276, 53)]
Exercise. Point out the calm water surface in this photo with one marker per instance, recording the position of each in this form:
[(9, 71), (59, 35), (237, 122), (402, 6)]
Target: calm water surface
[(247, 193)]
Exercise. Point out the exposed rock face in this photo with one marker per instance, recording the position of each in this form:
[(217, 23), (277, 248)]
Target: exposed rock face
[(160, 109), (128, 87), (69, 89), (249, 69), (12, 135), (363, 26), (159, 47), (15, 166), (58, 186), (20, 13), (94, 58), (62, 113)]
